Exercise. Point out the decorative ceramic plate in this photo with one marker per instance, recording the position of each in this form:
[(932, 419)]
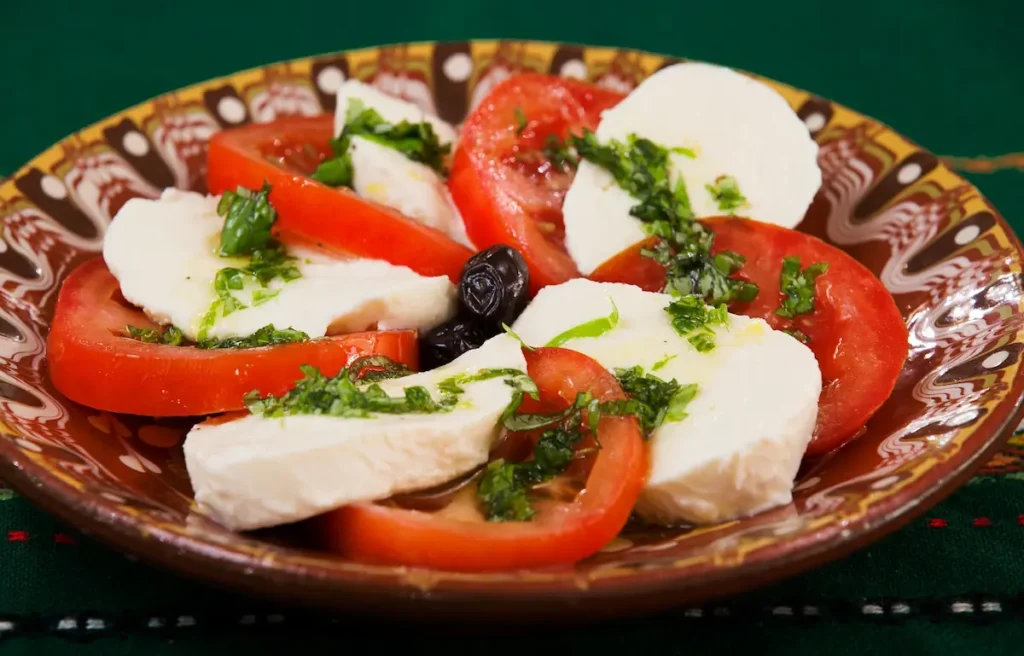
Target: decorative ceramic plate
[(952, 264)]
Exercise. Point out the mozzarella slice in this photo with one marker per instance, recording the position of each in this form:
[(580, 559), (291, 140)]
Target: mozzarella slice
[(390, 108), (387, 176), (738, 450), (164, 255), (256, 472), (736, 126)]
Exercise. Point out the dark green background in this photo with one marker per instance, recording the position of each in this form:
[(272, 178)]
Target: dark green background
[(947, 74)]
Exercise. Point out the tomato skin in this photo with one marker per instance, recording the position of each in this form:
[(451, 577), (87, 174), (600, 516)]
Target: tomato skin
[(335, 218), (857, 333), (506, 191), (560, 534), (90, 363)]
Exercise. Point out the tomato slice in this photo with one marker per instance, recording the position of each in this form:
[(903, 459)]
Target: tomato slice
[(506, 189), (284, 153), (92, 364), (856, 331), (561, 533)]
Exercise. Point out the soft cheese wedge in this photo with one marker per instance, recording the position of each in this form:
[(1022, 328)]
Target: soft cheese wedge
[(256, 471), (738, 450), (164, 255), (386, 176), (732, 124)]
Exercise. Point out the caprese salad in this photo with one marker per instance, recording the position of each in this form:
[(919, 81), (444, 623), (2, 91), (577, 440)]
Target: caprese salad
[(490, 348)]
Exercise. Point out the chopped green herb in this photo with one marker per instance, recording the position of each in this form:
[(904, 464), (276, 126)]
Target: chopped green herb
[(374, 368), (265, 336), (244, 235), (640, 167), (653, 400), (171, 336), (248, 218), (726, 192), (505, 486), (592, 328), (417, 141), (798, 334), (797, 287), (660, 364), (521, 121), (559, 154), (692, 319)]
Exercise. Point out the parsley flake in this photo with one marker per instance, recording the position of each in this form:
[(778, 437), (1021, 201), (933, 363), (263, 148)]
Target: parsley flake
[(640, 167), (653, 400), (797, 287), (417, 141), (248, 217), (693, 319), (726, 192)]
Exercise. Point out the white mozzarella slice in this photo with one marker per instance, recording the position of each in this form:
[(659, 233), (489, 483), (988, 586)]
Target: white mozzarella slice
[(390, 108), (256, 472), (738, 450), (736, 126), (386, 176), (164, 255)]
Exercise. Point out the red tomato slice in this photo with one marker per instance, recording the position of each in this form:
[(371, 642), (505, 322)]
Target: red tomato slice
[(507, 191), (284, 153), (92, 364), (561, 533), (857, 333)]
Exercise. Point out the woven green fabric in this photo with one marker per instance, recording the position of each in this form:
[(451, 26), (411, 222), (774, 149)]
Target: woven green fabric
[(945, 73)]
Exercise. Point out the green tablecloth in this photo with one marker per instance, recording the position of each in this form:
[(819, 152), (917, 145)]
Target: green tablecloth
[(946, 73)]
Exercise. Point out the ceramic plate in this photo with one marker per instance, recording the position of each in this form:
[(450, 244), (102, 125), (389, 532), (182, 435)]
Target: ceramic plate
[(951, 262)]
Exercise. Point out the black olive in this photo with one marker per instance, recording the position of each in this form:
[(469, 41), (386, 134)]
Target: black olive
[(494, 285), (448, 341)]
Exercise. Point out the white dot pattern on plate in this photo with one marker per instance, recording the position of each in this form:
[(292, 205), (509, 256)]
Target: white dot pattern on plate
[(53, 187), (909, 172), (135, 143), (995, 360), (458, 67), (815, 121), (574, 68), (231, 109), (966, 235), (330, 79)]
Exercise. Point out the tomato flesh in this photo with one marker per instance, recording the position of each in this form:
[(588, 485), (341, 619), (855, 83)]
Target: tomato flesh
[(561, 533), (506, 189), (284, 153), (91, 363), (856, 331)]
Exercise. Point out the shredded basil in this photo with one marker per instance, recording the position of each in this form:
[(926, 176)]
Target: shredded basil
[(171, 336), (265, 336), (521, 122), (693, 320), (417, 141), (660, 364), (505, 486), (726, 192), (248, 218), (797, 287), (345, 395), (653, 400), (558, 152), (640, 167), (516, 337), (592, 328)]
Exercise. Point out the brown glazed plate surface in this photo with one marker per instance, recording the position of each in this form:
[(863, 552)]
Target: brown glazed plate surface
[(951, 262)]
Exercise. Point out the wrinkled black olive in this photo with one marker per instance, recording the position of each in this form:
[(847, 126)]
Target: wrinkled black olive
[(494, 285), (450, 340)]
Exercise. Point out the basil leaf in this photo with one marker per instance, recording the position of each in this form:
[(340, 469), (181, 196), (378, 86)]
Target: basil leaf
[(726, 193), (797, 286), (248, 218), (265, 336)]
